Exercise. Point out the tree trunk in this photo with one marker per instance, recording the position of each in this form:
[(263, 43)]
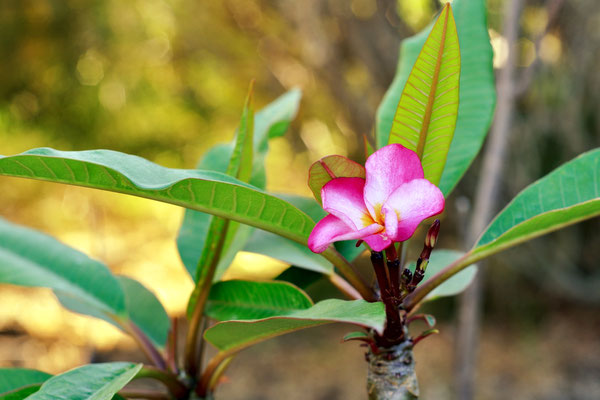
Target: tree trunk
[(392, 374)]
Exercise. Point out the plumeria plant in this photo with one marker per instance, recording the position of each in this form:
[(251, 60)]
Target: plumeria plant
[(429, 128)]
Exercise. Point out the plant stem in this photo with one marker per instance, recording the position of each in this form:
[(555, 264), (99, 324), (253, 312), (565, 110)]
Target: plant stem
[(391, 374), (144, 394), (202, 291), (176, 388), (347, 270), (172, 362), (203, 387), (151, 352)]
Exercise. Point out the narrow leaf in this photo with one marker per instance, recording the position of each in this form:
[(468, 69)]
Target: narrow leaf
[(230, 337), (90, 382), (330, 167), (477, 90), (221, 232), (205, 191), (569, 194), (271, 121), (426, 115), (15, 378), (242, 300)]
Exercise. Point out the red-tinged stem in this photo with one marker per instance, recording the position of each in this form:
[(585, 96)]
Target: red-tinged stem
[(203, 387), (393, 264), (175, 387), (144, 343), (172, 361), (144, 394)]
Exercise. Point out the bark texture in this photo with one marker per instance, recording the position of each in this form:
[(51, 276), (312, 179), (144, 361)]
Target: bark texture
[(392, 374)]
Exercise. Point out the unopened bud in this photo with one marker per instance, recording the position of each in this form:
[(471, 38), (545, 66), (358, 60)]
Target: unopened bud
[(432, 234)]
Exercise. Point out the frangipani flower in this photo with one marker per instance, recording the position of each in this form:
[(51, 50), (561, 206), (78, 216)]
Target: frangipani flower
[(387, 207)]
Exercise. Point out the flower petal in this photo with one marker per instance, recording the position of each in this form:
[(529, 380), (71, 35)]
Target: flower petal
[(410, 204), (387, 169), (377, 242), (331, 229), (343, 197)]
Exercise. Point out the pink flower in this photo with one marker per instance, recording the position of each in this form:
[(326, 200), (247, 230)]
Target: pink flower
[(387, 207)]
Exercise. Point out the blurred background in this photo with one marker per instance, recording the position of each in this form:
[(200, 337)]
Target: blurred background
[(166, 80)]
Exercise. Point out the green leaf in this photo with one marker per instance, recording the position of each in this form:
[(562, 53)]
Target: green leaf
[(242, 300), (454, 285), (205, 191), (142, 308), (233, 336), (30, 258), (285, 250), (15, 378), (90, 382), (146, 311), (477, 92), (271, 121), (426, 115), (569, 194), (80, 283), (330, 167)]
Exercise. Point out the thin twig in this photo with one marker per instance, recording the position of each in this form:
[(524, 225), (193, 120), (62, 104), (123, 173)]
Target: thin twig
[(348, 271), (144, 343)]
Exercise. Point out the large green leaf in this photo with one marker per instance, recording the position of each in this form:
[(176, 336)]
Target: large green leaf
[(242, 300), (271, 121), (30, 258), (233, 336), (82, 284), (90, 382), (426, 115), (457, 283), (205, 191), (569, 194), (477, 93), (12, 379)]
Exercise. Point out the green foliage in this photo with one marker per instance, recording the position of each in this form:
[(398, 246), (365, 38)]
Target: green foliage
[(145, 310), (233, 336), (81, 284), (477, 93), (14, 380), (205, 191), (427, 111), (30, 258), (90, 382), (569, 194), (242, 300)]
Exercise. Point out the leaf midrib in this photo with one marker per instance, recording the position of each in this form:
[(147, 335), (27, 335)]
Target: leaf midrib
[(432, 92)]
